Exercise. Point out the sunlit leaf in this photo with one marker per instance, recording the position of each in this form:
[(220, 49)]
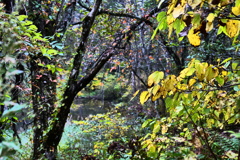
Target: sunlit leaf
[(155, 78), (52, 52), (145, 123), (170, 19), (194, 38), (172, 6), (236, 10), (234, 66), (194, 3), (191, 82), (201, 70), (156, 127), (22, 17), (178, 25), (233, 27), (210, 17), (155, 89), (196, 21), (211, 72), (135, 94), (226, 60), (190, 71), (178, 11), (209, 26), (144, 97), (164, 129), (231, 154)]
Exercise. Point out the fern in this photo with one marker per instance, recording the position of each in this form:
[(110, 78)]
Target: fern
[(222, 143)]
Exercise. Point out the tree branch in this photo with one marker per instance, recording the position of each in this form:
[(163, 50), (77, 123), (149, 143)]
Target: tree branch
[(54, 135), (74, 85), (145, 18)]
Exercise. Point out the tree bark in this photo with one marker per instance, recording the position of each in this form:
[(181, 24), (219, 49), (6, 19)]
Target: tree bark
[(43, 86), (44, 89), (53, 137), (9, 4)]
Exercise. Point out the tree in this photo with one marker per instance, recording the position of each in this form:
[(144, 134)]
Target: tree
[(50, 21), (118, 31)]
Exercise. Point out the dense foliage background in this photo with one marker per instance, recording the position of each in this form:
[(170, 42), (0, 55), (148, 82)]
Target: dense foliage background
[(119, 79)]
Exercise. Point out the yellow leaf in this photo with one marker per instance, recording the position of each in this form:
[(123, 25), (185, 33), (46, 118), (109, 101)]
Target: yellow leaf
[(233, 28), (170, 30), (135, 94), (155, 78), (164, 129), (210, 17), (236, 10), (226, 60), (201, 70), (225, 2), (172, 6), (231, 154), (221, 94), (156, 96), (224, 73), (191, 82), (170, 19), (194, 3), (183, 73), (178, 11), (190, 71), (152, 148), (211, 73), (155, 89), (144, 97), (172, 82), (194, 38), (183, 2)]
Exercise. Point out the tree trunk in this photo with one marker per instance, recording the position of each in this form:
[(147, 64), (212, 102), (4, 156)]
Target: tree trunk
[(49, 120), (42, 81)]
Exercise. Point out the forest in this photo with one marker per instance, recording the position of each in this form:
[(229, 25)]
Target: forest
[(119, 80)]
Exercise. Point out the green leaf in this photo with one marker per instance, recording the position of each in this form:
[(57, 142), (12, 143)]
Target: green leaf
[(162, 19), (236, 88), (27, 23), (52, 52), (145, 123), (43, 50), (196, 19), (156, 127), (12, 111), (33, 27), (226, 60), (161, 16), (22, 17), (59, 69), (234, 65), (154, 33), (178, 25), (220, 80)]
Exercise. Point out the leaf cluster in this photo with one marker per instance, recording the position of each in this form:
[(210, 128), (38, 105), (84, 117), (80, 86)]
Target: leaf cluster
[(192, 18), (203, 97)]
